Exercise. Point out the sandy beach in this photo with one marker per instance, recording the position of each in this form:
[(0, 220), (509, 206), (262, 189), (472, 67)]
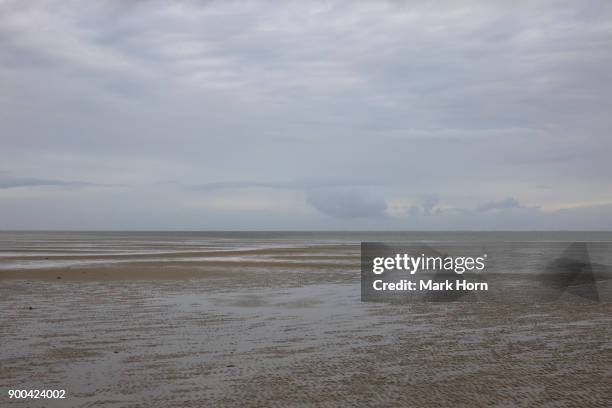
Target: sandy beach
[(305, 204), (265, 326)]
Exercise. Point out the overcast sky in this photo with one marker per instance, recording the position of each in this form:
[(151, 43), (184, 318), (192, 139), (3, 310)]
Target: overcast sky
[(305, 115)]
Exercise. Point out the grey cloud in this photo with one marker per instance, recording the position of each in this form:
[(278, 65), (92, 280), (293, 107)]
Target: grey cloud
[(342, 203), (426, 206), (397, 97), (223, 185), (429, 202), (504, 204), (303, 184), (15, 182), (430, 205)]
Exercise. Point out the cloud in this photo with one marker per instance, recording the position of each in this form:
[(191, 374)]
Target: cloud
[(471, 100), (427, 205), (429, 202), (504, 204), (16, 182), (343, 203), (225, 185), (303, 184)]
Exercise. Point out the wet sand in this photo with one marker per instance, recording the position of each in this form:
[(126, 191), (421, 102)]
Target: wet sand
[(289, 331)]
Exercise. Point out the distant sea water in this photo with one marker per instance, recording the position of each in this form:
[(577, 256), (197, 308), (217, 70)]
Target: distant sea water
[(40, 249)]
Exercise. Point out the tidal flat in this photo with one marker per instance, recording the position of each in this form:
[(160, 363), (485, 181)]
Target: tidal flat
[(258, 323)]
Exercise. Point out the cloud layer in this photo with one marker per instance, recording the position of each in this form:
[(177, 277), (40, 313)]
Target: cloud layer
[(335, 114)]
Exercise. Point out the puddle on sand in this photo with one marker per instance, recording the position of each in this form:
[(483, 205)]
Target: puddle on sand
[(314, 317)]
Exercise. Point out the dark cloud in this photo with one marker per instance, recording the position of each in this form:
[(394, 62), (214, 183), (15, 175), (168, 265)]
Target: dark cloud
[(342, 203), (504, 204), (427, 206)]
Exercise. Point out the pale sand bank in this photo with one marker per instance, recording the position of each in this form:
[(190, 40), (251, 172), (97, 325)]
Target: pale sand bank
[(172, 271)]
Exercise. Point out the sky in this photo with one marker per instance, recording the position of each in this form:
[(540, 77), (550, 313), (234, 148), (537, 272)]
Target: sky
[(306, 115)]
